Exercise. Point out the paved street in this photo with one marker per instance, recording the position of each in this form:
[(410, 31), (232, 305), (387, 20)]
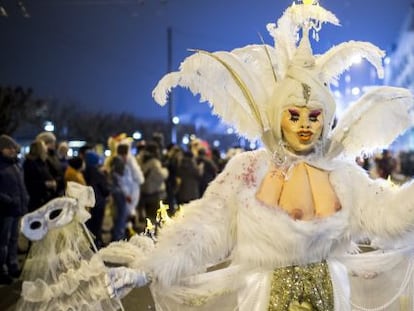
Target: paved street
[(138, 300)]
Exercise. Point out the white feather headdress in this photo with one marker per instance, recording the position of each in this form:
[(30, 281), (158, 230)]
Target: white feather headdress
[(248, 87)]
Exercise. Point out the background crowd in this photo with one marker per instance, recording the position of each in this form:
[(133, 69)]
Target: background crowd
[(129, 185)]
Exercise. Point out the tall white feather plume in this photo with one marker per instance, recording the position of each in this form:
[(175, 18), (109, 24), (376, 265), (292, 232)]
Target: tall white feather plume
[(341, 57), (285, 34), (373, 122), (260, 61)]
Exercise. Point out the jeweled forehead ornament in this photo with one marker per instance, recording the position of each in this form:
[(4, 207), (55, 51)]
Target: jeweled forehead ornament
[(249, 87)]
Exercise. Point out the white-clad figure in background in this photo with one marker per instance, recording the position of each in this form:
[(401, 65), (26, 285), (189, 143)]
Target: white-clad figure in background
[(132, 179)]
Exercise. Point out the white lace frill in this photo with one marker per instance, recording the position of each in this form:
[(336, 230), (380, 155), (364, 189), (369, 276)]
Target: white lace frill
[(62, 273)]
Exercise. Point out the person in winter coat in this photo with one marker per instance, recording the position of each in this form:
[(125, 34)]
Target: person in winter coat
[(74, 171), (120, 199), (53, 161), (98, 180), (208, 169), (39, 181), (189, 175), (153, 189), (13, 204)]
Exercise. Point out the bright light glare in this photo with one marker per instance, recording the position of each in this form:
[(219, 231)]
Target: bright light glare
[(176, 120), (49, 126), (337, 94), (76, 143), (137, 135), (357, 60), (185, 140), (355, 91)]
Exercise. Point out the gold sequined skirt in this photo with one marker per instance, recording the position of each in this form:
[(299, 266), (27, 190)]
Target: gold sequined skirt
[(297, 288)]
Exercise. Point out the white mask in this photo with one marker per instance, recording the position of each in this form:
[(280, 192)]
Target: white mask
[(56, 213)]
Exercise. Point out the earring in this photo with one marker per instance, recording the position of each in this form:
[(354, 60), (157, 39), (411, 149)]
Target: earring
[(320, 148), (279, 156)]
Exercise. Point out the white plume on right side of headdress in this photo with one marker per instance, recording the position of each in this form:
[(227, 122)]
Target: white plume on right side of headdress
[(373, 122), (342, 56)]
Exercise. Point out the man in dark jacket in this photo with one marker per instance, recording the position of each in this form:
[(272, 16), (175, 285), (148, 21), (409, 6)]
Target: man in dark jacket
[(208, 169), (98, 180), (13, 205)]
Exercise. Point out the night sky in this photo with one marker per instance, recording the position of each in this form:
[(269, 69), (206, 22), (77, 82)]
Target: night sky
[(108, 55)]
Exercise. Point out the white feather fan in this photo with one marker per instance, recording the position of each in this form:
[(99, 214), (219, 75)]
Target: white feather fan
[(236, 84), (341, 57), (373, 122)]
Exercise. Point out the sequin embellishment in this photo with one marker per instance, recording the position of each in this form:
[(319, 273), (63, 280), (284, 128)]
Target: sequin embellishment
[(297, 288)]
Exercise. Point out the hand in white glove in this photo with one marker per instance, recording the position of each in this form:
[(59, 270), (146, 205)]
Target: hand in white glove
[(121, 280)]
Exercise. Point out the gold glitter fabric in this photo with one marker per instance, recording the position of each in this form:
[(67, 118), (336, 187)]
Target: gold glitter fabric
[(297, 288)]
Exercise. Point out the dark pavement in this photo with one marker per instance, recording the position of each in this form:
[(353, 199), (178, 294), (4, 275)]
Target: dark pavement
[(139, 299)]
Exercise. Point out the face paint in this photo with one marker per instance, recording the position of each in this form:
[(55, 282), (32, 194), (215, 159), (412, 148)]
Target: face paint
[(301, 128)]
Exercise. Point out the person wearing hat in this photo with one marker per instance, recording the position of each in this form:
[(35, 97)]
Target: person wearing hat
[(13, 204), (74, 171)]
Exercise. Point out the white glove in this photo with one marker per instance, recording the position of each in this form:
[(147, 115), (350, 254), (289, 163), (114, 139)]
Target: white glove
[(121, 280)]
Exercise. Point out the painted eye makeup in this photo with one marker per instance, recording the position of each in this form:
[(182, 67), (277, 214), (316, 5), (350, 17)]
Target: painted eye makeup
[(313, 115), (294, 115)]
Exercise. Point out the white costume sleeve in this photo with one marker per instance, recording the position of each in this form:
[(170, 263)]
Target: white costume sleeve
[(377, 207), (136, 171), (203, 234)]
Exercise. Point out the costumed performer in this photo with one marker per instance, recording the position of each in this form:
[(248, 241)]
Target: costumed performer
[(130, 181), (286, 217)]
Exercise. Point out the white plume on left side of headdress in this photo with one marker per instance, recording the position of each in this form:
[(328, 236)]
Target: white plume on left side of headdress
[(236, 84)]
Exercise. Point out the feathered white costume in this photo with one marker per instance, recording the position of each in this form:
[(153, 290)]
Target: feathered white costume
[(251, 215)]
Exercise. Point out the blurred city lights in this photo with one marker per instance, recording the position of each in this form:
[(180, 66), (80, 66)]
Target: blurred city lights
[(356, 91), (185, 139), (137, 135), (175, 120), (49, 126)]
